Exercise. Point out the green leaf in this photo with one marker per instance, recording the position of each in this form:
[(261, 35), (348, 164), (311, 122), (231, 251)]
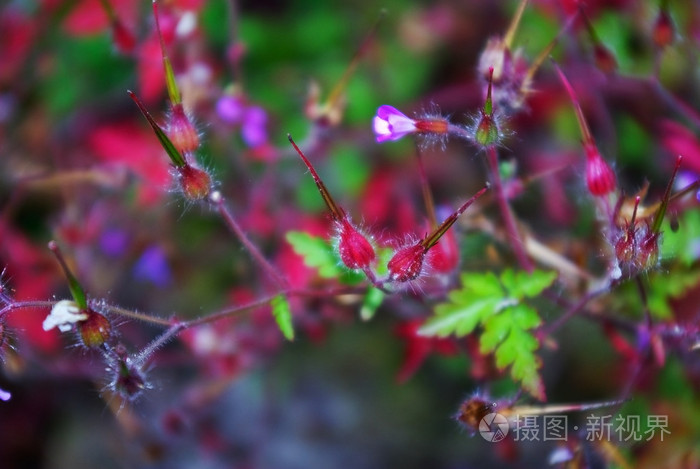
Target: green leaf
[(518, 351), (497, 305), (175, 156), (527, 284), (662, 288), (319, 254), (373, 299), (283, 315), (458, 319), (684, 242)]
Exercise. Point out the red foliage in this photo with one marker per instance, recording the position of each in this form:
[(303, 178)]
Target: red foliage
[(134, 147)]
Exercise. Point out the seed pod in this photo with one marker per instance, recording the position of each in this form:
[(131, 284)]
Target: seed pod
[(195, 183), (95, 330)]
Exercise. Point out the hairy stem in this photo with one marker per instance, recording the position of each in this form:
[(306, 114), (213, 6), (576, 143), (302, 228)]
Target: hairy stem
[(139, 316)]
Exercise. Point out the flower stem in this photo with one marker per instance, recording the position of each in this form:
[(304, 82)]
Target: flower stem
[(217, 199), (506, 212), (139, 316), (573, 310), (427, 193), (26, 304)]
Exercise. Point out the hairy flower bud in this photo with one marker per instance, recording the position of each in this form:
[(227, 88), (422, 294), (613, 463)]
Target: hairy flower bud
[(181, 131), (355, 250), (487, 132), (600, 178), (407, 263), (649, 250), (128, 381), (637, 249), (195, 183)]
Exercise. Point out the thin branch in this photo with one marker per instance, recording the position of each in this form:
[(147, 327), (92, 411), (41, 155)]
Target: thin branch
[(139, 316), (507, 213), (573, 310), (218, 200)]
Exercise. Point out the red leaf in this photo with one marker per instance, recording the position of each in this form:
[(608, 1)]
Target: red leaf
[(151, 76), (18, 33), (89, 17), (418, 348), (678, 140), (137, 149)]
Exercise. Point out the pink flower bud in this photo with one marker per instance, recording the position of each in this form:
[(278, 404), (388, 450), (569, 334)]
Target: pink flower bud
[(663, 31), (487, 132), (181, 131), (648, 250), (195, 183), (124, 39), (625, 247), (392, 124), (355, 250), (599, 176), (128, 381), (407, 263), (444, 256)]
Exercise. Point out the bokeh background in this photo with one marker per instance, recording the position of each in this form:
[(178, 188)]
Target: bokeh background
[(79, 164)]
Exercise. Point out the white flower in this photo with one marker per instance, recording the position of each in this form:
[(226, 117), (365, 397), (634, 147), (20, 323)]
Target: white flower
[(63, 315)]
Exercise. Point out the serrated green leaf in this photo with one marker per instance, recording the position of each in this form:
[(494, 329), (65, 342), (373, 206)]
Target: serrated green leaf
[(283, 316), (373, 299), (527, 284), (517, 351), (319, 254), (497, 304), (458, 319), (316, 252), (496, 328), (482, 284), (663, 288), (524, 316)]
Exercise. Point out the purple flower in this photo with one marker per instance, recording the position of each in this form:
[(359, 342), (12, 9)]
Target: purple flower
[(686, 178), (231, 109), (153, 266), (4, 395), (392, 124), (114, 242), (253, 130)]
